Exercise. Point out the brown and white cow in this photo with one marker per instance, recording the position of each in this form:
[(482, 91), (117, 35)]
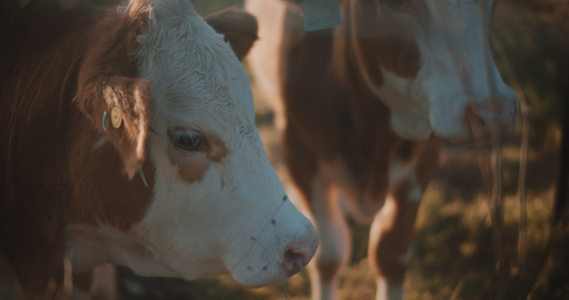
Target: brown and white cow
[(364, 108), (97, 100)]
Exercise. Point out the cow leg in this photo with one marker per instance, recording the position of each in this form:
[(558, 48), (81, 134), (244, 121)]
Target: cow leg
[(319, 196), (334, 248), (391, 235)]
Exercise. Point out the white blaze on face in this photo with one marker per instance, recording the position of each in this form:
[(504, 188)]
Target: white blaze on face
[(457, 72), (218, 206)]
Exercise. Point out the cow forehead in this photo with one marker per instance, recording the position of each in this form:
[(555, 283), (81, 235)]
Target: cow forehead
[(197, 78)]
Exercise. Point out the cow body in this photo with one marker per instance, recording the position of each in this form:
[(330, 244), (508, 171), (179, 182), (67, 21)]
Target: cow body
[(129, 138), (364, 107)]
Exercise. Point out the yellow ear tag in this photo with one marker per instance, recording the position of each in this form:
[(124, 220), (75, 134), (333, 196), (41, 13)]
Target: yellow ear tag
[(116, 117)]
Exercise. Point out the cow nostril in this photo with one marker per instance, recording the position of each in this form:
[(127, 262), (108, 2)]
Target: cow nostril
[(486, 122), (295, 260)]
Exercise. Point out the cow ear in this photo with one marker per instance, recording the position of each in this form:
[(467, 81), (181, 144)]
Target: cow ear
[(110, 93), (238, 27), (119, 108)]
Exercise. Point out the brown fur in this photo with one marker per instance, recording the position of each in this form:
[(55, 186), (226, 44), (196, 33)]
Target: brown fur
[(193, 165), (332, 114), (239, 28), (323, 124), (55, 68), (396, 234)]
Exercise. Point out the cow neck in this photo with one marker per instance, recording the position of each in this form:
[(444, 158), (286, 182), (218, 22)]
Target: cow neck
[(40, 85), (50, 145), (352, 124), (370, 116)]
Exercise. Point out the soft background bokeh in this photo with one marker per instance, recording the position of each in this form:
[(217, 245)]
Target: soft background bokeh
[(454, 256)]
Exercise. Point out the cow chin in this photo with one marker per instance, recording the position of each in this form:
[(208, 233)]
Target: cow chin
[(262, 270), (258, 271), (470, 133), (467, 124), (269, 263), (274, 274), (267, 249), (259, 277), (274, 254), (459, 131)]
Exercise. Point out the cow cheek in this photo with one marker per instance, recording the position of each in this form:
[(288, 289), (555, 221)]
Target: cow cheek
[(191, 169)]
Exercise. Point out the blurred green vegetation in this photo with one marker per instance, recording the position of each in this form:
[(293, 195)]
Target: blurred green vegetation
[(454, 257)]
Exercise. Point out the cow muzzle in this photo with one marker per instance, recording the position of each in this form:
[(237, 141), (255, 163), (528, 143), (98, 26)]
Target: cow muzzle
[(491, 120), (298, 254), (283, 248)]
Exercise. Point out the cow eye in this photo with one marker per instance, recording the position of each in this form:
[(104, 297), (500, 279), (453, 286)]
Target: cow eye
[(396, 4), (186, 139)]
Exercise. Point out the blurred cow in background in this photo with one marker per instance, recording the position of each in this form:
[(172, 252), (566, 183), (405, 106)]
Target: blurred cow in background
[(364, 108)]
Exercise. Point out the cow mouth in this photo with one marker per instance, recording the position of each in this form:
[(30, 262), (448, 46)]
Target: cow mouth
[(479, 131)]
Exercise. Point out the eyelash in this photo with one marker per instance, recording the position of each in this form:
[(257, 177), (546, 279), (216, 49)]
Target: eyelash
[(186, 139)]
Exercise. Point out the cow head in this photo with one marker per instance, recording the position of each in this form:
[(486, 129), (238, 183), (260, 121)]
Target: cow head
[(431, 62), (171, 102)]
